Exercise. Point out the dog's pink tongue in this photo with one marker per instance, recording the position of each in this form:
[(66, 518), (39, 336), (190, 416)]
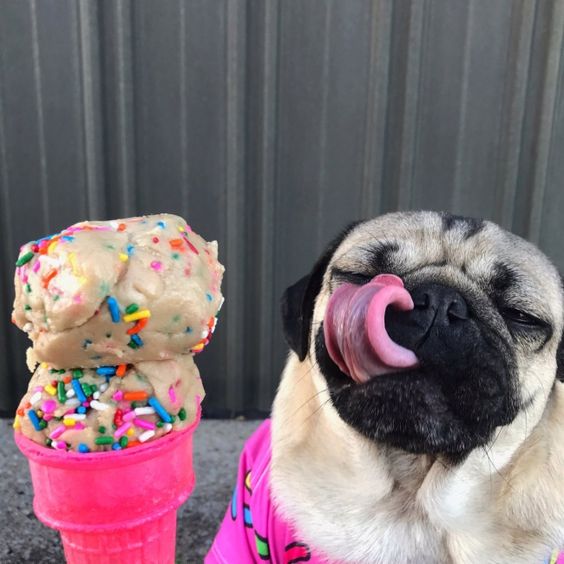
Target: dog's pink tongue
[(355, 331)]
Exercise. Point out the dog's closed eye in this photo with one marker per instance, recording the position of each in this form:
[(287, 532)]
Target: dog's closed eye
[(351, 277), (523, 319)]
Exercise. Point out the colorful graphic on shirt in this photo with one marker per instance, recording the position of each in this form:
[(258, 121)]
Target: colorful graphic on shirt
[(263, 549), (296, 552), (234, 504), (252, 507), (247, 516), (556, 557)]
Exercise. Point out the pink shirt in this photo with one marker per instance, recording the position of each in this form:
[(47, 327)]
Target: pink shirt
[(252, 530)]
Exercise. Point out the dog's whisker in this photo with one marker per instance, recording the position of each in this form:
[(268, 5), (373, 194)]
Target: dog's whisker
[(484, 448), (321, 406), (306, 402), (314, 365)]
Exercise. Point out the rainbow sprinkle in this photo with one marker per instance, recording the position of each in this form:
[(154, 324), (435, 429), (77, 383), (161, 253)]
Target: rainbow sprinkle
[(25, 258), (140, 314), (137, 340), (172, 395), (106, 370), (159, 409), (78, 390), (103, 440), (114, 309), (34, 420), (131, 308)]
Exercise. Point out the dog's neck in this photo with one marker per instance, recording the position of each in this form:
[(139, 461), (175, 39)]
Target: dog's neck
[(387, 498)]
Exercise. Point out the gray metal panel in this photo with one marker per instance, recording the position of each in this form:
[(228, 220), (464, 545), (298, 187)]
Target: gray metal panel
[(270, 124)]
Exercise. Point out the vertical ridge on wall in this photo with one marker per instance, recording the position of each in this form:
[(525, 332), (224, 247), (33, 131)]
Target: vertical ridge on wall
[(462, 125), (545, 119), (262, 55), (325, 84), (6, 247), (513, 107), (184, 156), (552, 226), (125, 107), (410, 122), (143, 68), (536, 119), (376, 107), (234, 200), (402, 124), (40, 119), (88, 61), (119, 104)]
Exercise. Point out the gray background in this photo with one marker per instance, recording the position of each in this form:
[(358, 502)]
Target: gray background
[(269, 125)]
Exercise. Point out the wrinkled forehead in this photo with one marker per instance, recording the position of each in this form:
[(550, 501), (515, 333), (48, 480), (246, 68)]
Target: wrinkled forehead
[(410, 240)]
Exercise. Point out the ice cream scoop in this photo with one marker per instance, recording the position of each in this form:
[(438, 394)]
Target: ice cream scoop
[(109, 407), (355, 330), (122, 291)]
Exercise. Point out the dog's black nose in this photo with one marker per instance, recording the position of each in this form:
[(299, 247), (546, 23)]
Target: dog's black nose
[(436, 306), (442, 303)]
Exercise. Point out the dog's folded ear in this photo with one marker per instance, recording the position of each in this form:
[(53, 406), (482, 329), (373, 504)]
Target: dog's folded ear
[(298, 300), (293, 316)]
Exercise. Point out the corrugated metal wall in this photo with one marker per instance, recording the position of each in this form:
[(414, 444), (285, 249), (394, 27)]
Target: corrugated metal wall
[(269, 124)]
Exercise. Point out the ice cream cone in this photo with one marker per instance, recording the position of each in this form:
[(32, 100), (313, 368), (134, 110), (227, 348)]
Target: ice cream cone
[(117, 506)]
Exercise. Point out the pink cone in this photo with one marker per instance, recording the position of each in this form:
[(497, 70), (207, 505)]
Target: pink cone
[(116, 507)]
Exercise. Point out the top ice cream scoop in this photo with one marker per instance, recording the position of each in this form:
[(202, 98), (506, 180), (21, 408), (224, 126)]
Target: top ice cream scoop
[(355, 331), (123, 291)]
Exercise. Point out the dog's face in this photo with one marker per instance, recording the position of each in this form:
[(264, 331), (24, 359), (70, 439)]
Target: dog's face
[(486, 327)]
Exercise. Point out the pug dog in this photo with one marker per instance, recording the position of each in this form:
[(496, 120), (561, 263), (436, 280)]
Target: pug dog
[(454, 454)]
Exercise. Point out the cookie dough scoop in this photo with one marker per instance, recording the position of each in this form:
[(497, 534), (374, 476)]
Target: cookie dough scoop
[(113, 292)]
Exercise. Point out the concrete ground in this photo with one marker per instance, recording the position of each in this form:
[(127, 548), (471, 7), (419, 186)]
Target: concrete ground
[(216, 450)]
